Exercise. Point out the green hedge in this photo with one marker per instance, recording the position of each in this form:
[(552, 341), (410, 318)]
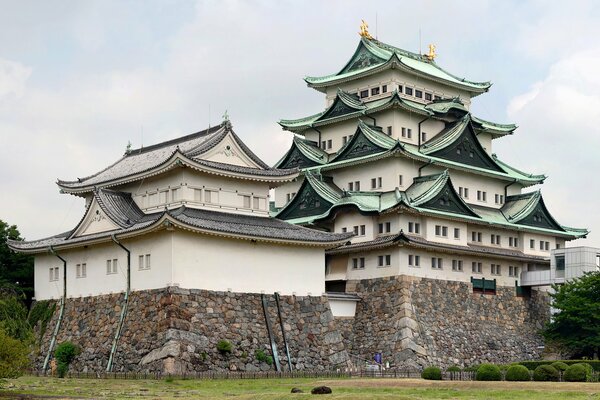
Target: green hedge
[(578, 373), (488, 372), (432, 373), (545, 373), (517, 373), (532, 365)]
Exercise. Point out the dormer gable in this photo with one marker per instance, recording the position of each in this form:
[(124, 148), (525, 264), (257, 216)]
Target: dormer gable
[(94, 221)]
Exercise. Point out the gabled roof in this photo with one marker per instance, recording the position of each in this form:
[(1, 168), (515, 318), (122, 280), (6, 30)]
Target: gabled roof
[(141, 163), (458, 142), (318, 199), (237, 226), (436, 192), (372, 56), (303, 154), (347, 106), (366, 140)]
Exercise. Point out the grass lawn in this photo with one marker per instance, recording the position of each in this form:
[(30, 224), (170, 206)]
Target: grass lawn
[(280, 389)]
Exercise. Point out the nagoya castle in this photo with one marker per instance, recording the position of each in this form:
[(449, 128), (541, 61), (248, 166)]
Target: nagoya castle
[(395, 234)]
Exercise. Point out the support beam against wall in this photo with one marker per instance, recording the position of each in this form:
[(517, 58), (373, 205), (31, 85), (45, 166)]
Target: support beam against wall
[(61, 312), (270, 331), (115, 343), (285, 343)]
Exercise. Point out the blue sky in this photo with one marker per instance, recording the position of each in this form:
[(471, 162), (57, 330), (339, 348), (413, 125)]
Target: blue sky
[(78, 80)]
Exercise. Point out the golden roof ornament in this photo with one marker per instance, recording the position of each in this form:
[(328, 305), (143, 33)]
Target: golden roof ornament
[(364, 30), (431, 55)]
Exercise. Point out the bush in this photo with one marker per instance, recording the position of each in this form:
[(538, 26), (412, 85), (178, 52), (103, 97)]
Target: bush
[(13, 319), (517, 373), (578, 372), (472, 368), (488, 372), (41, 313), (263, 357), (546, 373), (432, 374), (531, 365), (13, 356), (224, 347), (454, 368), (65, 353), (560, 366)]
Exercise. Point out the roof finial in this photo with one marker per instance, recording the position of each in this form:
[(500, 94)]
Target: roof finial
[(431, 55), (226, 122), (364, 30)]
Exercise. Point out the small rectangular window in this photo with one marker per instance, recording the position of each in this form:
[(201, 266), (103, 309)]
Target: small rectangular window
[(355, 263), (444, 231), (384, 89), (141, 262), (255, 203), (323, 144), (329, 144), (456, 233), (380, 228), (344, 230), (423, 136), (428, 96), (246, 201), (175, 194), (344, 139), (198, 195), (373, 183), (476, 267), (357, 186), (400, 88), (437, 97), (409, 133), (355, 229), (350, 186), (389, 131), (148, 264), (466, 193), (438, 230), (388, 227), (163, 196), (374, 91), (364, 93), (531, 244), (403, 132), (457, 265), (362, 230), (419, 94), (408, 91), (400, 181), (362, 263)]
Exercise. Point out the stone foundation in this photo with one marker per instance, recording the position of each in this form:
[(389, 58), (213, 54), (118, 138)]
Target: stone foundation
[(416, 322), (175, 330)]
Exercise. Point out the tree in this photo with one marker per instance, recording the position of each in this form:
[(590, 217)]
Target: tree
[(576, 325), (16, 270), (13, 356)]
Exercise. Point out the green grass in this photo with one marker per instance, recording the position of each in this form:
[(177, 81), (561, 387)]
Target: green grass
[(280, 389)]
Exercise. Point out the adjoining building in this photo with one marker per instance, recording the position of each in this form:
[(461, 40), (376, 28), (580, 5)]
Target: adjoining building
[(190, 214)]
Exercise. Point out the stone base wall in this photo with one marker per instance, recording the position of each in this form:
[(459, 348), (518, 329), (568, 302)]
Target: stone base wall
[(175, 330), (416, 322)]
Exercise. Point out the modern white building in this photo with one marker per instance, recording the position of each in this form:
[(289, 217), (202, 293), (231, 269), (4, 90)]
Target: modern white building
[(565, 264), (398, 159), (190, 212)]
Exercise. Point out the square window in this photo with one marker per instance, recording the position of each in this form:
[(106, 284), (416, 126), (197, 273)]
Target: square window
[(428, 96), (374, 91), (344, 230), (364, 93), (408, 91), (419, 94)]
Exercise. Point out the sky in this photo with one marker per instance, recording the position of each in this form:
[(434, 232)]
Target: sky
[(81, 79)]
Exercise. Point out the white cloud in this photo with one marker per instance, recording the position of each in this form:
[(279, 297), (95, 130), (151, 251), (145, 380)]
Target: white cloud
[(13, 77)]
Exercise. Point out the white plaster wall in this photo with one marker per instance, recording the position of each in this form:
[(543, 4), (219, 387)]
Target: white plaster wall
[(350, 218), (394, 77), (282, 191), (372, 269), (429, 233), (97, 281), (342, 308), (388, 169), (191, 185), (207, 262)]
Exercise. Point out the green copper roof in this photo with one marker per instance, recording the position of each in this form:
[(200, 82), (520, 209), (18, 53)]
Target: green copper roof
[(433, 194), (366, 140), (347, 106), (303, 154), (373, 56)]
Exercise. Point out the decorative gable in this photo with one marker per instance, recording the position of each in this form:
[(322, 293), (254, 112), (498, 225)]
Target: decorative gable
[(466, 149), (336, 109), (227, 151), (540, 217), (295, 159), (447, 200), (361, 59), (307, 202), (358, 146), (94, 221)]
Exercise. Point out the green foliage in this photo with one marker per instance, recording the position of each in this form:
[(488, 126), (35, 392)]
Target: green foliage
[(488, 372), (517, 373), (560, 366), (13, 356), (531, 365), (263, 357), (546, 373), (224, 347), (16, 270), (169, 379), (13, 318), (576, 325), (581, 372), (432, 374), (454, 368), (65, 353), (41, 313), (471, 368)]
